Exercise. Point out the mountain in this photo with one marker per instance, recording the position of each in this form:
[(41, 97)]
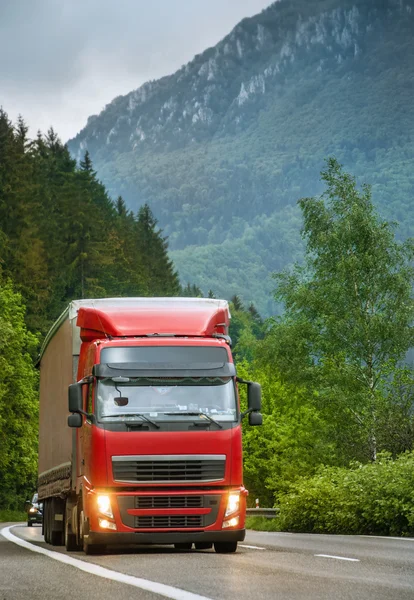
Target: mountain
[(223, 149)]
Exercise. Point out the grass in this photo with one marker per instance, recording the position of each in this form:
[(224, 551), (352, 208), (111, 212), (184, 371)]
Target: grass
[(12, 516), (262, 524)]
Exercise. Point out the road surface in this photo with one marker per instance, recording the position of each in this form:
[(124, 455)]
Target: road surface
[(267, 566)]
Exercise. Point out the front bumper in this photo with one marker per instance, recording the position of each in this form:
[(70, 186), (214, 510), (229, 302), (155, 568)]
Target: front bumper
[(119, 539)]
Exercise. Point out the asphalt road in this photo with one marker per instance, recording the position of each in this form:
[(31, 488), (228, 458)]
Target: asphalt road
[(266, 566)]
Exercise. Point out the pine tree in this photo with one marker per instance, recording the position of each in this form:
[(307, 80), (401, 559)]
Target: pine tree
[(161, 275), (191, 290)]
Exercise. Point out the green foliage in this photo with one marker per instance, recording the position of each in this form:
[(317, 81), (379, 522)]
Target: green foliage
[(375, 498), (12, 516), (161, 275), (348, 313), (246, 328), (191, 291), (292, 442), (262, 524), (62, 237), (18, 402)]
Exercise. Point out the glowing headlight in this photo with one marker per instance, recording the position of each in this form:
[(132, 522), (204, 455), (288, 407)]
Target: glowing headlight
[(105, 524), (104, 506), (233, 504), (33, 510), (231, 522)]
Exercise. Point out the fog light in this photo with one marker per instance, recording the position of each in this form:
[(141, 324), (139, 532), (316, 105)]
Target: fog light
[(233, 504), (104, 506), (105, 524), (231, 522)]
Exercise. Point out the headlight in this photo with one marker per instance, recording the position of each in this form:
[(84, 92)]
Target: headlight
[(233, 504), (231, 522), (104, 506), (33, 510), (105, 524)]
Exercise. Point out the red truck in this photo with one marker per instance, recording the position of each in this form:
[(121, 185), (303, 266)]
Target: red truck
[(148, 448)]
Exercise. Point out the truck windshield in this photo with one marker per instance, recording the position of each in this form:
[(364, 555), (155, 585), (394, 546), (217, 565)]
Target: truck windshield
[(164, 399)]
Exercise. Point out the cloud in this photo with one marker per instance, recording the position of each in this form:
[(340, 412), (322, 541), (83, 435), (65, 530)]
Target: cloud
[(61, 61)]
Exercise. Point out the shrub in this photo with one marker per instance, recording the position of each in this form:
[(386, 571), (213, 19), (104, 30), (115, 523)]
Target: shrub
[(375, 498)]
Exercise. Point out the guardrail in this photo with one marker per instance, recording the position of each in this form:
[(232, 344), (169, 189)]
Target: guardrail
[(269, 513)]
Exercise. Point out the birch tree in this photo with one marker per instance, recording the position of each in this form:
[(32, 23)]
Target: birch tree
[(349, 310)]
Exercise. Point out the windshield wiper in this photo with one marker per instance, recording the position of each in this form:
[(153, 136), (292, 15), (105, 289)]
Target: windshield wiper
[(134, 415), (196, 414)]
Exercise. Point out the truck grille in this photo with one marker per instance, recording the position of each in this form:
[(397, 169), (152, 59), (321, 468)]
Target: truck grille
[(168, 502), (177, 504), (168, 521), (176, 469)]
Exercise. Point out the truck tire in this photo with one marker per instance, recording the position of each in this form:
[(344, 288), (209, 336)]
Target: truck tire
[(203, 545), (183, 546), (70, 538), (57, 526), (225, 547), (71, 542), (46, 519), (93, 549)]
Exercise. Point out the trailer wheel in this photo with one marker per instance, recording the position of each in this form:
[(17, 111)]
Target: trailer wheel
[(225, 547), (46, 517), (56, 527)]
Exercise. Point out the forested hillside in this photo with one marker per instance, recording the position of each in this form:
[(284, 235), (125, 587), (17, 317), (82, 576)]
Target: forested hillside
[(62, 236), (223, 149)]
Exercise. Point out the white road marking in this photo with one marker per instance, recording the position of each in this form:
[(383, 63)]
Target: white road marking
[(150, 586), (252, 547), (388, 537), (337, 557)]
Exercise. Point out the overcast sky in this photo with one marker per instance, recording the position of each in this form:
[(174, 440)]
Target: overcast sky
[(63, 60)]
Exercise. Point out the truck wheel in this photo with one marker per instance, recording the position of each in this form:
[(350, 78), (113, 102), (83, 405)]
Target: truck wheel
[(93, 549), (225, 547), (56, 527), (70, 538), (203, 545), (183, 546), (29, 524), (46, 520)]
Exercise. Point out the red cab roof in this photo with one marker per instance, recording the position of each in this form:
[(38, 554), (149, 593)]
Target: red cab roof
[(126, 317)]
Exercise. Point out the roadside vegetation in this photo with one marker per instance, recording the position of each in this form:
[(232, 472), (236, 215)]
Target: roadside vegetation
[(12, 516), (337, 375)]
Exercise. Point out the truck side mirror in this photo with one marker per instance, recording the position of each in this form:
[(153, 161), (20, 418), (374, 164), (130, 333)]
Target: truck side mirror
[(254, 396), (75, 398), (255, 418), (75, 420)]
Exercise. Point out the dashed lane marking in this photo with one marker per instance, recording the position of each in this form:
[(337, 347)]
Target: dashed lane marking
[(337, 557)]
